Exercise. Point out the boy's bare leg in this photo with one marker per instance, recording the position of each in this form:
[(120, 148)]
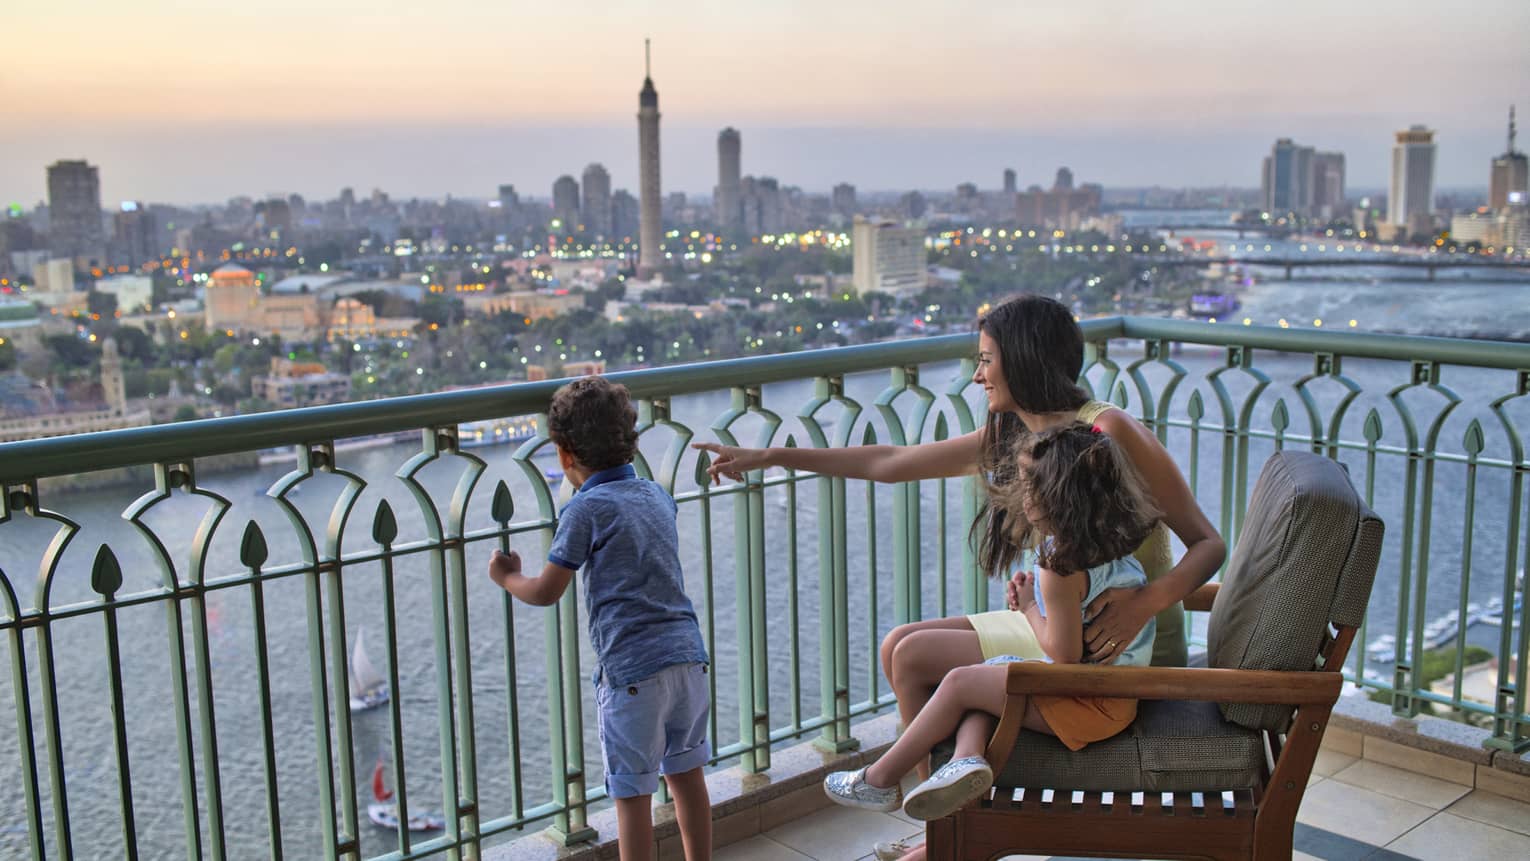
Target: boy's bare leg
[(693, 813), (634, 828)]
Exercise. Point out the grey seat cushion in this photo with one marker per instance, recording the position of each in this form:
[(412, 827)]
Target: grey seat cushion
[(1173, 745), (1306, 556)]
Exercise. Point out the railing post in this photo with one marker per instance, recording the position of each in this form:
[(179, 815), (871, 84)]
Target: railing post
[(908, 604), (833, 601), (749, 598)]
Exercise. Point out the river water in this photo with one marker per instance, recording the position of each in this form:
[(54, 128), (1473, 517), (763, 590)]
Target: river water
[(1378, 299)]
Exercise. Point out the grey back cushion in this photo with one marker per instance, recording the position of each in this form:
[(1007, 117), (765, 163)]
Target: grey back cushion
[(1307, 556)]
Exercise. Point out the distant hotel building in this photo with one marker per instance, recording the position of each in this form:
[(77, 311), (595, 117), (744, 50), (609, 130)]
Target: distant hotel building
[(1410, 204), (887, 257), (1063, 207), (1510, 181), (726, 199), (74, 212)]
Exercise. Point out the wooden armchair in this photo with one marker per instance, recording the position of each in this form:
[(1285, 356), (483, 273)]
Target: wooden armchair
[(1218, 759)]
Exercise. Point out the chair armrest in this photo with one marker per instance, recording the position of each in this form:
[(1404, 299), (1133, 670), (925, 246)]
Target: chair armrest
[(1031, 678), (1202, 597), (1279, 687)]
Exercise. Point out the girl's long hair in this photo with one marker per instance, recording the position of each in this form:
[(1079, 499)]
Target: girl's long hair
[(1089, 497), (1041, 353)]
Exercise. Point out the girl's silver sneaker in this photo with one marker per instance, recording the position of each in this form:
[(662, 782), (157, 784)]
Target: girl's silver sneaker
[(851, 789), (949, 789)]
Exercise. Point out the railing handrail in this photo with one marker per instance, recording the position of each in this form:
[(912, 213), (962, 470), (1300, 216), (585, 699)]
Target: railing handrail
[(33, 459), (1506, 355)]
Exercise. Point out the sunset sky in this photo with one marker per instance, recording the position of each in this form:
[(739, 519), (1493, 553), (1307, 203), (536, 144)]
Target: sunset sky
[(186, 102)]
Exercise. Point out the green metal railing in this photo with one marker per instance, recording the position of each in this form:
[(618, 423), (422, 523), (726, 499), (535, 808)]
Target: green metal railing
[(251, 621)]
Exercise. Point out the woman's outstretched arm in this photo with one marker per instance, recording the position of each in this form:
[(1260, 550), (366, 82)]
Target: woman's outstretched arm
[(889, 463), (1119, 614)]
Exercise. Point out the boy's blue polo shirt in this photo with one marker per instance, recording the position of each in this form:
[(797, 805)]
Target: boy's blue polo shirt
[(621, 530)]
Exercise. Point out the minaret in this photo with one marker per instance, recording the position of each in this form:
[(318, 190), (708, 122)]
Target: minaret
[(112, 388), (650, 224)]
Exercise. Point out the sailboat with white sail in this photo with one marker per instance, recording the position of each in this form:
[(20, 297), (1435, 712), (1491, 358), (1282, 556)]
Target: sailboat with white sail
[(368, 687)]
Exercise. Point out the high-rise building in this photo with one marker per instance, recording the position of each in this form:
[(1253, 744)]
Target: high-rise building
[(726, 199), (1064, 180), (650, 209), (1299, 180), (16, 235), (887, 257), (135, 237), (1327, 185), (276, 216), (842, 199), (624, 214), (597, 200), (510, 215), (1009, 181), (74, 211), (1288, 179), (565, 192), (764, 210), (1411, 200), (749, 204), (912, 205), (967, 198), (1510, 182), (772, 209)]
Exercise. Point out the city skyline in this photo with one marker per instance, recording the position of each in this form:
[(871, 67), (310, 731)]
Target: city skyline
[(1130, 96)]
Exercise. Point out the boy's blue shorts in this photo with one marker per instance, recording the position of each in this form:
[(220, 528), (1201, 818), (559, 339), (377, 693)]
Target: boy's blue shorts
[(656, 726)]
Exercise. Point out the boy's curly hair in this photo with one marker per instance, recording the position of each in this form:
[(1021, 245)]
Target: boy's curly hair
[(593, 419), (1090, 497)]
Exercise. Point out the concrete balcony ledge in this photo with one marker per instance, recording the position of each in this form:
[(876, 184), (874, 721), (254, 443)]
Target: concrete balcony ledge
[(1442, 749), (743, 804)]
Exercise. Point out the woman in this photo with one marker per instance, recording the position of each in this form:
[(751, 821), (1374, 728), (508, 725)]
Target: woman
[(1030, 354)]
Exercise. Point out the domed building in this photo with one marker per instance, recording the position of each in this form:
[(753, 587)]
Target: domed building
[(232, 298)]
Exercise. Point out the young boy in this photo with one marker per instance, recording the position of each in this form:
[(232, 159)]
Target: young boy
[(651, 687)]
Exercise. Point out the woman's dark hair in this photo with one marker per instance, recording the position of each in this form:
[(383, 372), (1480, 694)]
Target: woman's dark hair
[(593, 419), (1090, 497), (1041, 353)]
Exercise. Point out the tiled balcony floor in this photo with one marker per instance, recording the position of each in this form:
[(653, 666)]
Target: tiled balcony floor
[(1353, 809)]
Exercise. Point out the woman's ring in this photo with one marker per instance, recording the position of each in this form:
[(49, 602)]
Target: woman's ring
[(1110, 644)]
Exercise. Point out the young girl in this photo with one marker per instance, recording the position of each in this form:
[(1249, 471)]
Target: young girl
[(1079, 503)]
